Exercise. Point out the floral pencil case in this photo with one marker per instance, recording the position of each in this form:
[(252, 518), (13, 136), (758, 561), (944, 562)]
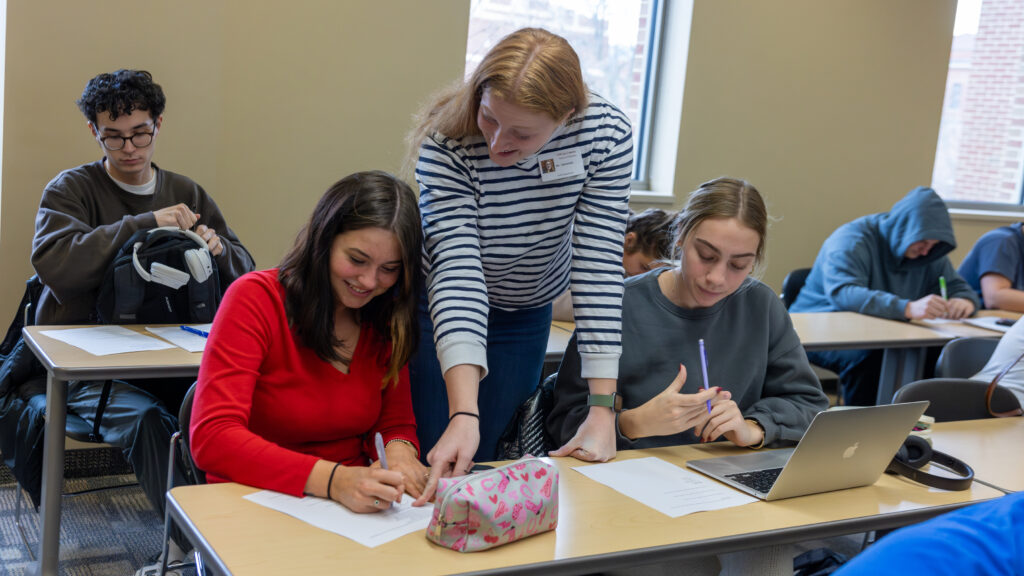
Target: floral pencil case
[(496, 506)]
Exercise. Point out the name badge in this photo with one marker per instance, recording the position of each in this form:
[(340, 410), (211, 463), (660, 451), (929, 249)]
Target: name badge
[(559, 165)]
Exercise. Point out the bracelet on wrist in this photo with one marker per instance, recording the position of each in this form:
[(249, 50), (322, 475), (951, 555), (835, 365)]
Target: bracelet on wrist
[(452, 417), (403, 441), (763, 435), (330, 480)]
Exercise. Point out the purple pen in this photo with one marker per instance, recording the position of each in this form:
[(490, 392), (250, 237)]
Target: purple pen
[(704, 367)]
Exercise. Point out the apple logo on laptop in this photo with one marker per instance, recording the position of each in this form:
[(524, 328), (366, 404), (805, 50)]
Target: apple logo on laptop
[(848, 453)]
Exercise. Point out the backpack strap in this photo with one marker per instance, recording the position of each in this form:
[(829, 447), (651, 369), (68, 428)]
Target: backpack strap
[(990, 391)]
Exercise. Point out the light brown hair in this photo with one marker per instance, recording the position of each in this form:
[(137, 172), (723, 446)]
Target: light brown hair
[(723, 198), (531, 67)]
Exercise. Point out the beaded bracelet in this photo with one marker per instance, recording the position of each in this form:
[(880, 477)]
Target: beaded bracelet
[(452, 417), (331, 479), (402, 441)]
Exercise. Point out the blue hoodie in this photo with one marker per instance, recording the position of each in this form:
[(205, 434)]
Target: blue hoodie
[(861, 267)]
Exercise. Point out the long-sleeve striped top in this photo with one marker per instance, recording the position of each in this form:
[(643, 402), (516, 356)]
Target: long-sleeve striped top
[(502, 237)]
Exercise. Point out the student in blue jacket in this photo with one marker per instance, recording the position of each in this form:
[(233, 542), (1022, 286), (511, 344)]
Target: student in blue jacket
[(986, 537), (885, 265)]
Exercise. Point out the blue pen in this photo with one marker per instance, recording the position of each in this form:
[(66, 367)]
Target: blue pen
[(196, 331), (704, 367)]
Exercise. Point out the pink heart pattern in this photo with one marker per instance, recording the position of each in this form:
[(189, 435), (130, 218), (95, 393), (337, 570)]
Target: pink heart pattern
[(496, 507)]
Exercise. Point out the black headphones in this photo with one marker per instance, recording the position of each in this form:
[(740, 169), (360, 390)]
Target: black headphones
[(916, 452)]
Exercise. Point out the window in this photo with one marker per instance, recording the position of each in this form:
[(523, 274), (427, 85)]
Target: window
[(615, 40), (979, 159)]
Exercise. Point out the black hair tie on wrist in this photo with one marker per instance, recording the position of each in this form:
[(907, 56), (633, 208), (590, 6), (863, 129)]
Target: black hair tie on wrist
[(452, 417), (331, 479)]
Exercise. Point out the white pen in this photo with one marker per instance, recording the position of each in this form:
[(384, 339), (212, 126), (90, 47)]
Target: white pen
[(378, 441)]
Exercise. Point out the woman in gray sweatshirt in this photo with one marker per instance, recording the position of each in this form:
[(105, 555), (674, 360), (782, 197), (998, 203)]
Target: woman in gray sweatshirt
[(762, 390)]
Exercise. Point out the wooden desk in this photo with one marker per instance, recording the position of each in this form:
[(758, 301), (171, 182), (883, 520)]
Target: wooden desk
[(904, 343), (990, 446), (64, 362), (598, 528)]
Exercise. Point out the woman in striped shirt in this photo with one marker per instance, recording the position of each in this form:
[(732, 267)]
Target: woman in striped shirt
[(524, 183)]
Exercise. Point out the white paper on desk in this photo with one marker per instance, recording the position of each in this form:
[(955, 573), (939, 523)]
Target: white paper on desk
[(182, 338), (105, 340), (939, 321), (665, 487), (988, 323), (370, 530)]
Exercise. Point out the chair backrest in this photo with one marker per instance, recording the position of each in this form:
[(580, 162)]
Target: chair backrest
[(792, 284), (184, 420), (954, 399), (965, 357)]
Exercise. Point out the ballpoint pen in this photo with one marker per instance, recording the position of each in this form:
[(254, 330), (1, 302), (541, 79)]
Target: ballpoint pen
[(704, 367), (942, 288), (378, 441), (196, 331)]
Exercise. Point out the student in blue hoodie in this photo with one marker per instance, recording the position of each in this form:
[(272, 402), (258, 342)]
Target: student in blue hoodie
[(885, 265)]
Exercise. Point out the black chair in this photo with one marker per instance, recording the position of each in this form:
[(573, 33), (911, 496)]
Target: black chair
[(792, 284), (952, 399), (964, 357), (181, 452)]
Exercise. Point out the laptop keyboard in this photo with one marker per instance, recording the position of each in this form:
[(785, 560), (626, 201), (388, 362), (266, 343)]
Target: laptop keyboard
[(760, 480)]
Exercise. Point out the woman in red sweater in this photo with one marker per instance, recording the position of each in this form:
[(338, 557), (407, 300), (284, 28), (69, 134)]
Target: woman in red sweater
[(305, 363)]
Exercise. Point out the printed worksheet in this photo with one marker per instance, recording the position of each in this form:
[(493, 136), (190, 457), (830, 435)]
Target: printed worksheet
[(665, 487), (104, 340), (370, 530)]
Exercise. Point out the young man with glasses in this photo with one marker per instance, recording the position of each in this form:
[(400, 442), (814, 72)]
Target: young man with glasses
[(86, 214)]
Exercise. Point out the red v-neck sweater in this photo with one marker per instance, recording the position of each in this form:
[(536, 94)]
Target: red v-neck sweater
[(267, 408)]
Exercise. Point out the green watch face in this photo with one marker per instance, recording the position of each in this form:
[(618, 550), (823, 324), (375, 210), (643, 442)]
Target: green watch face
[(613, 401)]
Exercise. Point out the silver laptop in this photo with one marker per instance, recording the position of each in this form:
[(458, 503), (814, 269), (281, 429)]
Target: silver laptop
[(840, 449)]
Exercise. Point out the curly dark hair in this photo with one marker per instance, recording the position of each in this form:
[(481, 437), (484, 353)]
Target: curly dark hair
[(120, 93)]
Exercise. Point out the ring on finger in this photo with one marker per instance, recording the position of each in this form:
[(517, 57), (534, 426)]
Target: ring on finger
[(376, 503)]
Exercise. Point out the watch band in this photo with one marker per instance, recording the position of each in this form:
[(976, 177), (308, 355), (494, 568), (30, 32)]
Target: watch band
[(613, 401)]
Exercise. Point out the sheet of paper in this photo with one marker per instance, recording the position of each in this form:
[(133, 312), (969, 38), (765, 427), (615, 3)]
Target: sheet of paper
[(987, 322), (105, 340), (182, 338), (665, 487), (939, 321), (370, 530)]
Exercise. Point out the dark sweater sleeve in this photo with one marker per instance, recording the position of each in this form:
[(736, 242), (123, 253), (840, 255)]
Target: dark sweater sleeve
[(70, 254), (792, 395), (235, 260)]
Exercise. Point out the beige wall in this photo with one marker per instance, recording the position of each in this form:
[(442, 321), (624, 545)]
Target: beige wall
[(830, 108), (268, 102)]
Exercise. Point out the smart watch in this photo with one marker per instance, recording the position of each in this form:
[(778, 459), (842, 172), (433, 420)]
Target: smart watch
[(613, 401)]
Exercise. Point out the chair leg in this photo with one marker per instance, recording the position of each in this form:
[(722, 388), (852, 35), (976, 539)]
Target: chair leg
[(17, 521), (167, 513)]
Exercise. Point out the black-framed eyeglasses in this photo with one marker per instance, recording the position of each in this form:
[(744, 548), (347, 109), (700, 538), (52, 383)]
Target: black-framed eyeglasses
[(139, 140)]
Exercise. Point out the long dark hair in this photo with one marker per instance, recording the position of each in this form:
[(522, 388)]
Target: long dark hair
[(363, 200)]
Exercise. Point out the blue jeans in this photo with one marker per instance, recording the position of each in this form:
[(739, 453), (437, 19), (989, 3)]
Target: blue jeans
[(516, 343)]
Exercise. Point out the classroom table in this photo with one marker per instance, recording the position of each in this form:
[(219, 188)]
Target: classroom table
[(598, 529), (990, 446), (63, 363), (905, 343)]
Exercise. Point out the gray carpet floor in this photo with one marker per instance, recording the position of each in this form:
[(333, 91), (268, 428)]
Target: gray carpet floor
[(108, 532)]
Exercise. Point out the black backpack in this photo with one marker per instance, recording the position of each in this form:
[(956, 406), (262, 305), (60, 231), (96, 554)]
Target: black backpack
[(160, 276)]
